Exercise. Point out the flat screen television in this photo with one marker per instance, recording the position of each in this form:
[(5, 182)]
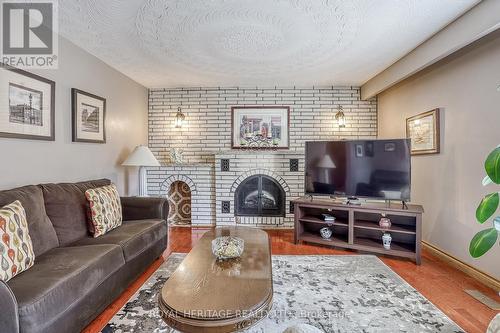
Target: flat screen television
[(379, 169)]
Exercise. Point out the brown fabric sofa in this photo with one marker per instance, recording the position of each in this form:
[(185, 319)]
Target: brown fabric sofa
[(75, 276)]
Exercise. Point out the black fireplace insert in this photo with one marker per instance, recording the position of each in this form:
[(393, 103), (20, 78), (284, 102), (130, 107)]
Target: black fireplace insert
[(259, 195)]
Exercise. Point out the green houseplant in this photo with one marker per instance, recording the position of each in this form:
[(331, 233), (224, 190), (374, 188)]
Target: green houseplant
[(484, 240)]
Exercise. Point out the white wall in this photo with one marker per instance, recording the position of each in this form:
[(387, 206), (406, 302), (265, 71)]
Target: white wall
[(448, 185), (208, 117), (31, 162)]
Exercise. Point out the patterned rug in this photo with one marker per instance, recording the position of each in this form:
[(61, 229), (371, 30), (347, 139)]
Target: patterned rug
[(349, 293)]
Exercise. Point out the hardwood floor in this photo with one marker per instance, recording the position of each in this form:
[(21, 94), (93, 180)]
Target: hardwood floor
[(440, 283)]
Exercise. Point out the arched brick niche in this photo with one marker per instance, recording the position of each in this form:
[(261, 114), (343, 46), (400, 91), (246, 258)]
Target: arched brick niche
[(199, 179), (167, 183)]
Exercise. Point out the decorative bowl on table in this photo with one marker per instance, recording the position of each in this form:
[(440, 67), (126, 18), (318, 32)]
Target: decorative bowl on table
[(227, 247)]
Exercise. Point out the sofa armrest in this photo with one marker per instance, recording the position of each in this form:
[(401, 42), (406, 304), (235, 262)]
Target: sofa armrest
[(140, 208), (9, 317)]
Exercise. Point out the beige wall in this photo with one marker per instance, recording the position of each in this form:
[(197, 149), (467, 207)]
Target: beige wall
[(31, 162), (448, 185)]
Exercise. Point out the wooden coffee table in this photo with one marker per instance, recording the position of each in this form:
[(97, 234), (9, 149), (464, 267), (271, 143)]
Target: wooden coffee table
[(206, 295)]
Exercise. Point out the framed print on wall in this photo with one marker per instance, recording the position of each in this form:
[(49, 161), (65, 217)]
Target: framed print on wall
[(27, 108), (88, 117), (423, 130), (251, 124)]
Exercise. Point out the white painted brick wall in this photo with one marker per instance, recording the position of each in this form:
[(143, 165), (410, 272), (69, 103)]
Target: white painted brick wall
[(206, 138), (208, 117)]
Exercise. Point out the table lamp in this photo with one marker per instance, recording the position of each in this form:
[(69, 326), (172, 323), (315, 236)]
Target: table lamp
[(141, 157), (326, 164)]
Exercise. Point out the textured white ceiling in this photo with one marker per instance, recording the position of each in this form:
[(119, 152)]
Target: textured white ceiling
[(176, 43)]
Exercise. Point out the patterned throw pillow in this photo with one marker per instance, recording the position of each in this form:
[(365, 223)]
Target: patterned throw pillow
[(105, 209), (16, 248)]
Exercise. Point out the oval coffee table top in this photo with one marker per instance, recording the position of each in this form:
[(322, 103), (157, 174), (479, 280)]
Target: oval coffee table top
[(202, 288)]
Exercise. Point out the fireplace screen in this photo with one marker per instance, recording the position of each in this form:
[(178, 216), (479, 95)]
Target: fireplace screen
[(259, 195)]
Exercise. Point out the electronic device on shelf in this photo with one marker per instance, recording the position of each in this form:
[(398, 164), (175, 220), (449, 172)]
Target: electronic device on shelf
[(328, 217)]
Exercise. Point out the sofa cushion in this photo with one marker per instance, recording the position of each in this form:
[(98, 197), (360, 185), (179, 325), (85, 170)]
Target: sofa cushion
[(16, 248), (42, 233), (133, 236), (67, 207), (105, 209), (61, 277)]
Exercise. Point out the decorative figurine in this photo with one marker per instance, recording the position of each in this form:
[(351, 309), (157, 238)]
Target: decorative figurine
[(384, 222), (176, 155), (386, 239)]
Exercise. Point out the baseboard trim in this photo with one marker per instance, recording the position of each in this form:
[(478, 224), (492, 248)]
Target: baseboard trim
[(473, 272)]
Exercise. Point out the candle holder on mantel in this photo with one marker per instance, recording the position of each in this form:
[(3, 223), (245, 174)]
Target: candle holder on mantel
[(258, 141)]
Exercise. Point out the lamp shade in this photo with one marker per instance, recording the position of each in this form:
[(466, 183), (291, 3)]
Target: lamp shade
[(141, 156), (326, 162)]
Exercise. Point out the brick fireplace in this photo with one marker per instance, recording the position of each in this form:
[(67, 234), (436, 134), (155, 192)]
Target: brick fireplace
[(259, 195), (214, 187), (214, 172), (234, 168)]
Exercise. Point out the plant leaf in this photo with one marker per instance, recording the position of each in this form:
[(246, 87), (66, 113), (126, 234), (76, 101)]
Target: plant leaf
[(487, 180), (492, 165), (487, 207), (482, 242)]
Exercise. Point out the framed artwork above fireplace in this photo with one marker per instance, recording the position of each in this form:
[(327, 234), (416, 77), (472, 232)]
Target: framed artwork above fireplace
[(260, 127)]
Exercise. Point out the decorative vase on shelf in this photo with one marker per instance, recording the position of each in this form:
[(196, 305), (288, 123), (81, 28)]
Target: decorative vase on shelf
[(325, 232), (385, 222), (386, 240)]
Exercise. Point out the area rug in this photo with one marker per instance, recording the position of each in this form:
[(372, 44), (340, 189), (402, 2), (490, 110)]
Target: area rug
[(345, 293)]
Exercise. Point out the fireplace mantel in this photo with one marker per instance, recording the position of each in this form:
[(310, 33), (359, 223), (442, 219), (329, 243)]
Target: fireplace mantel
[(213, 186), (244, 152)]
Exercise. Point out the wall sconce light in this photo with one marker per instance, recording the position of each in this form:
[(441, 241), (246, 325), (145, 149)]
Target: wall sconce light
[(179, 118), (340, 117)]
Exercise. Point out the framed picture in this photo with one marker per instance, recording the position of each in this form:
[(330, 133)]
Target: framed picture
[(26, 105), (359, 150), (89, 117), (389, 147), (252, 125), (423, 130), (369, 149)]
